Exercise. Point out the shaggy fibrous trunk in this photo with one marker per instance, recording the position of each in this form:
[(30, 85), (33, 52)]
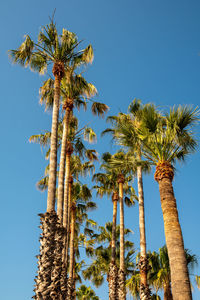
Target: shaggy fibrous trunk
[(56, 291), (121, 273), (46, 257), (145, 292), (70, 289), (181, 289), (71, 256), (113, 281), (58, 71), (74, 275), (143, 264), (113, 270), (121, 285), (167, 291), (63, 281), (68, 106)]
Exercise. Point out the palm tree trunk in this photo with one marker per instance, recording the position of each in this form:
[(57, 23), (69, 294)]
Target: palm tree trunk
[(74, 275), (143, 263), (71, 256), (113, 242), (53, 147), (68, 106), (181, 289), (167, 292), (113, 270), (121, 276), (67, 199)]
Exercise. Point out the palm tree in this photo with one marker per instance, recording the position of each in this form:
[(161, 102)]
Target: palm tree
[(166, 142), (117, 164), (86, 293), (73, 88), (80, 195), (77, 167), (125, 134), (159, 275), (102, 255), (107, 185), (58, 50)]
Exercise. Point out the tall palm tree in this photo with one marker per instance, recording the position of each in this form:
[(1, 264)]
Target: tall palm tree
[(101, 254), (166, 142), (74, 88), (117, 165), (125, 134), (58, 50), (77, 166), (81, 194), (107, 185)]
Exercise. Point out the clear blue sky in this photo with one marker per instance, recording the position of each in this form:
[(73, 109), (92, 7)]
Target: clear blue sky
[(144, 49)]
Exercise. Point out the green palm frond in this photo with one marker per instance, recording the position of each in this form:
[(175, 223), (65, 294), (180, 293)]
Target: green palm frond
[(24, 53), (99, 109), (89, 135), (47, 93)]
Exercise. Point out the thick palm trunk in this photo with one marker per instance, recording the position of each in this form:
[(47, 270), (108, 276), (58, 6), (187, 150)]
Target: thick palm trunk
[(46, 258), (167, 291), (113, 270), (53, 147), (68, 106), (56, 275), (71, 256), (121, 274), (181, 289), (143, 263)]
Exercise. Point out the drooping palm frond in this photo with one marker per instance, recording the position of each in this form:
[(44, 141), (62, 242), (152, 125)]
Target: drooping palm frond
[(99, 109), (47, 93)]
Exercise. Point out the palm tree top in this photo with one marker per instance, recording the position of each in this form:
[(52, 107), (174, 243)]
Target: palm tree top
[(172, 137), (50, 48)]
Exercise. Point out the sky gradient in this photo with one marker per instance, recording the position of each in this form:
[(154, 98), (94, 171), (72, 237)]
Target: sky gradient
[(143, 49)]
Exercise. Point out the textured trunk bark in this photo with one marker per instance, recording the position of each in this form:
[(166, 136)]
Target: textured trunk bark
[(66, 212), (181, 289), (113, 270), (121, 203), (121, 276), (143, 264), (71, 255), (74, 275), (113, 242), (47, 256), (167, 292), (66, 192), (53, 147), (62, 166)]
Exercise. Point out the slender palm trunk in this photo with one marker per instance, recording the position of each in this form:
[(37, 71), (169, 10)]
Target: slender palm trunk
[(143, 263), (181, 289), (74, 275), (68, 106), (121, 276), (53, 147), (113, 270), (71, 256), (167, 291), (113, 242), (67, 200)]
